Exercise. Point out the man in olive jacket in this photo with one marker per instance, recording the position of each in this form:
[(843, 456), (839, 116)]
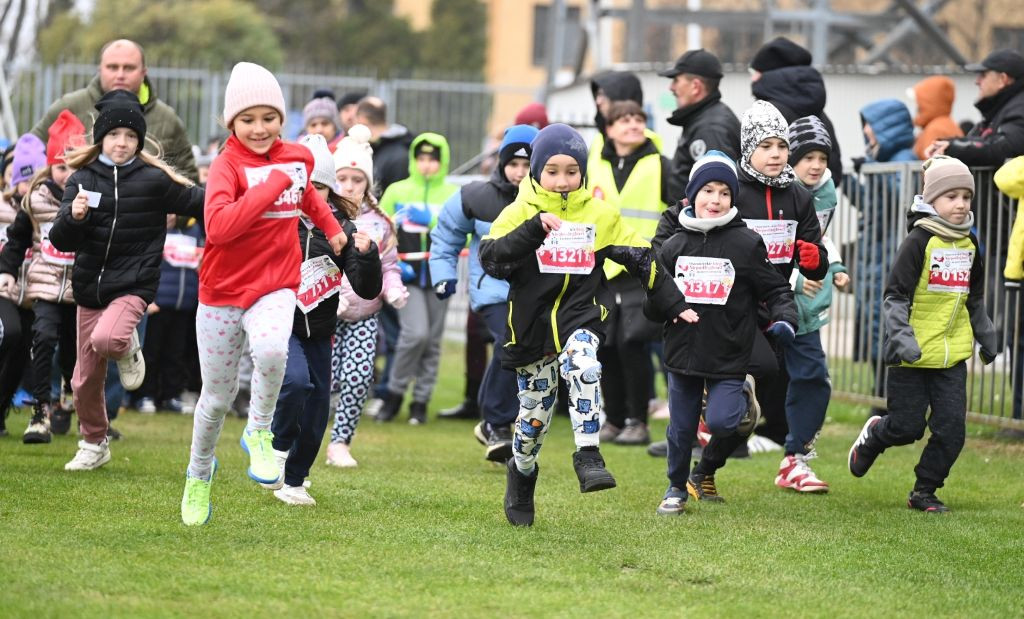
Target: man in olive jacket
[(123, 67)]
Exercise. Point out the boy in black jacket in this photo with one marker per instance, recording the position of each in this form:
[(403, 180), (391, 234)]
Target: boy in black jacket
[(723, 270)]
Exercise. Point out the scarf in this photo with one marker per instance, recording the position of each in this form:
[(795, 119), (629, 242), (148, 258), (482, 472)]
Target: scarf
[(688, 219)]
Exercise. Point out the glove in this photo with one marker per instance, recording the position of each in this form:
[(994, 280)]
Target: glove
[(987, 357), (418, 214), (445, 289), (809, 256), (397, 297), (857, 163), (783, 332), (407, 272)]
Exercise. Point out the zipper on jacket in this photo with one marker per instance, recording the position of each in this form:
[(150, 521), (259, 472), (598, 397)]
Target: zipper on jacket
[(305, 316), (63, 282), (949, 325), (511, 329), (181, 289), (554, 313), (768, 201), (113, 225)]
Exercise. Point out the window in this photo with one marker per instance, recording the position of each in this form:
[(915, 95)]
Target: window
[(1008, 38), (543, 22)]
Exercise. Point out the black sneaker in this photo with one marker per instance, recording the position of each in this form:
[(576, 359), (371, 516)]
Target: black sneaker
[(519, 495), (590, 470), (499, 444), (658, 449), (38, 430), (60, 421), (861, 456), (114, 434), (418, 413), (481, 433), (389, 409), (702, 488), (466, 410), (926, 501)]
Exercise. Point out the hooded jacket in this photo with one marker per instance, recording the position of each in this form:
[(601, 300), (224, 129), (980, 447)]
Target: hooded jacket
[(179, 282), (15, 248), (546, 308), (390, 157), (1000, 134), (799, 91), (376, 225), (934, 96), (415, 202), (720, 344), (166, 136), (119, 245), (617, 86), (813, 310), (45, 279), (708, 124), (1010, 180)]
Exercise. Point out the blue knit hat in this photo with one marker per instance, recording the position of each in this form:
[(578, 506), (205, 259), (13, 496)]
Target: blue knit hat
[(713, 166), (516, 143), (557, 139)]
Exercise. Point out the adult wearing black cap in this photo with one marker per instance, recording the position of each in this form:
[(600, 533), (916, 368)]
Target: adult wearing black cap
[(781, 74), (708, 124), (1000, 134)]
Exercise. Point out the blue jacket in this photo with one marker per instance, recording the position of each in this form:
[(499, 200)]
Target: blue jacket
[(179, 286), (469, 212)]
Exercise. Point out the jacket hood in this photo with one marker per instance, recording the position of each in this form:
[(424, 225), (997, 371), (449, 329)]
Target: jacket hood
[(894, 130), (799, 89), (395, 133), (498, 179), (437, 141), (934, 96)]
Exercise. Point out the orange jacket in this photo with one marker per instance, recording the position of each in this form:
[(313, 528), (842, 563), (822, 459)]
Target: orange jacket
[(934, 97)]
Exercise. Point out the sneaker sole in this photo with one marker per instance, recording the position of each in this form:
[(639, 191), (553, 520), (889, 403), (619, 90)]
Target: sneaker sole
[(851, 456), (782, 483), (928, 510), (598, 484), (499, 453), (342, 464), (671, 511), (478, 433), (290, 501), (36, 439)]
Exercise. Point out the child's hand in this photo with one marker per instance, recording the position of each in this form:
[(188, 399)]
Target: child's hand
[(811, 287), (550, 222), (841, 281), (152, 308), (338, 242), (687, 315), (80, 206), (7, 283), (397, 296), (362, 241)]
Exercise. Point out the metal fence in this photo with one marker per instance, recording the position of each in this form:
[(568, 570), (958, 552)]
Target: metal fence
[(460, 110), (868, 226)]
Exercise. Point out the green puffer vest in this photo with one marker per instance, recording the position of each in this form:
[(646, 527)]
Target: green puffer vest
[(940, 320)]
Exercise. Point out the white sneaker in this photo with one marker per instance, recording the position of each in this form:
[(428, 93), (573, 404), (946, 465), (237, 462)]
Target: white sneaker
[(338, 455), (147, 406), (373, 407), (759, 444), (280, 457), (294, 495), (90, 456), (132, 367)]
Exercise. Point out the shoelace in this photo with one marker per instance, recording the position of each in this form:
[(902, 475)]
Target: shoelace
[(707, 486)]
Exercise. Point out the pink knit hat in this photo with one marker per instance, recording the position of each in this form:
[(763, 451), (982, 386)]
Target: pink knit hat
[(251, 85)]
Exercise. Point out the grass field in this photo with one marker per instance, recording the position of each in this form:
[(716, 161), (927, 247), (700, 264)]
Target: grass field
[(418, 530)]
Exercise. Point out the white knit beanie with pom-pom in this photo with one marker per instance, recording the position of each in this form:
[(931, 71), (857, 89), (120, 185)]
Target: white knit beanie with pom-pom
[(354, 151)]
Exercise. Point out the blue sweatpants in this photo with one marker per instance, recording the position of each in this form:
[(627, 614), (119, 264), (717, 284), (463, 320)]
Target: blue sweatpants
[(499, 391), (303, 407), (725, 409), (808, 393)]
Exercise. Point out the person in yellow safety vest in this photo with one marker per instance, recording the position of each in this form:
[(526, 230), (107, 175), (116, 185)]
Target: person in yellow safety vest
[(630, 173)]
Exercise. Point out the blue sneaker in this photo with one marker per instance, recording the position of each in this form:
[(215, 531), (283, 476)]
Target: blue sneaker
[(263, 466)]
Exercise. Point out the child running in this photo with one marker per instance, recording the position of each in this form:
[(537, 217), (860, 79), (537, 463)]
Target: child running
[(723, 270), (355, 340), (114, 219), (551, 244), (258, 187), (937, 275), (305, 402)]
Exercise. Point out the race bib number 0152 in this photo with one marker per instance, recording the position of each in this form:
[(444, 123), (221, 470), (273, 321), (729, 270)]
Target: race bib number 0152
[(705, 280), (779, 236), (570, 249), (949, 270), (287, 204)]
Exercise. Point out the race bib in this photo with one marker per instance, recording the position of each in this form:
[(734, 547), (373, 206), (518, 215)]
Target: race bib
[(570, 249), (825, 218), (50, 253), (373, 228), (779, 236), (705, 280), (287, 204), (182, 251), (321, 279), (950, 270)]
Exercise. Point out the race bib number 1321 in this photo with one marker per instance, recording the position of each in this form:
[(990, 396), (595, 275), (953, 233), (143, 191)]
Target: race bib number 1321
[(570, 249)]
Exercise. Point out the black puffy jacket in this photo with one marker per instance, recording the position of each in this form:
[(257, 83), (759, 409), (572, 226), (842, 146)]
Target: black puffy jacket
[(1000, 135), (119, 244), (707, 125), (363, 271), (720, 344)]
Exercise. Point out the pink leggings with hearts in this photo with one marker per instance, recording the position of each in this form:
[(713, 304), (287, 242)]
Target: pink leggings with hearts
[(221, 333)]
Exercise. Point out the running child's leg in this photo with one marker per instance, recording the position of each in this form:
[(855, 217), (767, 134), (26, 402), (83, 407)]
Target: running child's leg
[(268, 325), (538, 390)]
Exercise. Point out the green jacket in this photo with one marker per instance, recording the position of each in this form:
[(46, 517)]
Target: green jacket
[(546, 308), (165, 132), (813, 311), (414, 204)]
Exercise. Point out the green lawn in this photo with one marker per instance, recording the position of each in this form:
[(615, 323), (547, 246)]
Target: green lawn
[(418, 529)]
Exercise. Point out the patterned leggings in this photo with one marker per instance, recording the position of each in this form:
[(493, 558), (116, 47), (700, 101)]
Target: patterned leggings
[(221, 332), (355, 346), (538, 391)]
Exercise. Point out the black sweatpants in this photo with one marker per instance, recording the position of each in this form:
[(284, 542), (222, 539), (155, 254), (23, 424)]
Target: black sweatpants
[(912, 391), (55, 325), (165, 349), (15, 338)]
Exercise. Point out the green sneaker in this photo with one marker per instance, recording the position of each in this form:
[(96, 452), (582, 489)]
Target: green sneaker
[(263, 467), (196, 506)]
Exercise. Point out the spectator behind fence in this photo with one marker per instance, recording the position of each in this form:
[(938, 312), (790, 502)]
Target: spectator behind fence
[(1000, 134), (347, 107), (934, 99), (320, 116), (782, 75), (1010, 180), (123, 67), (390, 143)]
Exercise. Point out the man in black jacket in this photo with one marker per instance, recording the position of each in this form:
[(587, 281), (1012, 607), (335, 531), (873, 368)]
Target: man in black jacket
[(390, 143), (708, 124)]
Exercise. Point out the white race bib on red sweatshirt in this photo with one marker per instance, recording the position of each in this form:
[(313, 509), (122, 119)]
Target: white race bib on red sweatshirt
[(287, 204)]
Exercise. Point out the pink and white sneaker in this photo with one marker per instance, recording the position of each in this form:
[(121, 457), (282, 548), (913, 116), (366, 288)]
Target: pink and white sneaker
[(795, 474)]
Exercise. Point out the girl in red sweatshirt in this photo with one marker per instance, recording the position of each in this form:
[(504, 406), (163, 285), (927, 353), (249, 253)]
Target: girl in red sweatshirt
[(256, 190)]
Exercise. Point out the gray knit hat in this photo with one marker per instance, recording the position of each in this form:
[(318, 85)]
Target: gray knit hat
[(807, 134), (762, 121), (942, 174)]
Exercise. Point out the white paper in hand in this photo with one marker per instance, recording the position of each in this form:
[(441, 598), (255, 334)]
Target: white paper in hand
[(93, 197)]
